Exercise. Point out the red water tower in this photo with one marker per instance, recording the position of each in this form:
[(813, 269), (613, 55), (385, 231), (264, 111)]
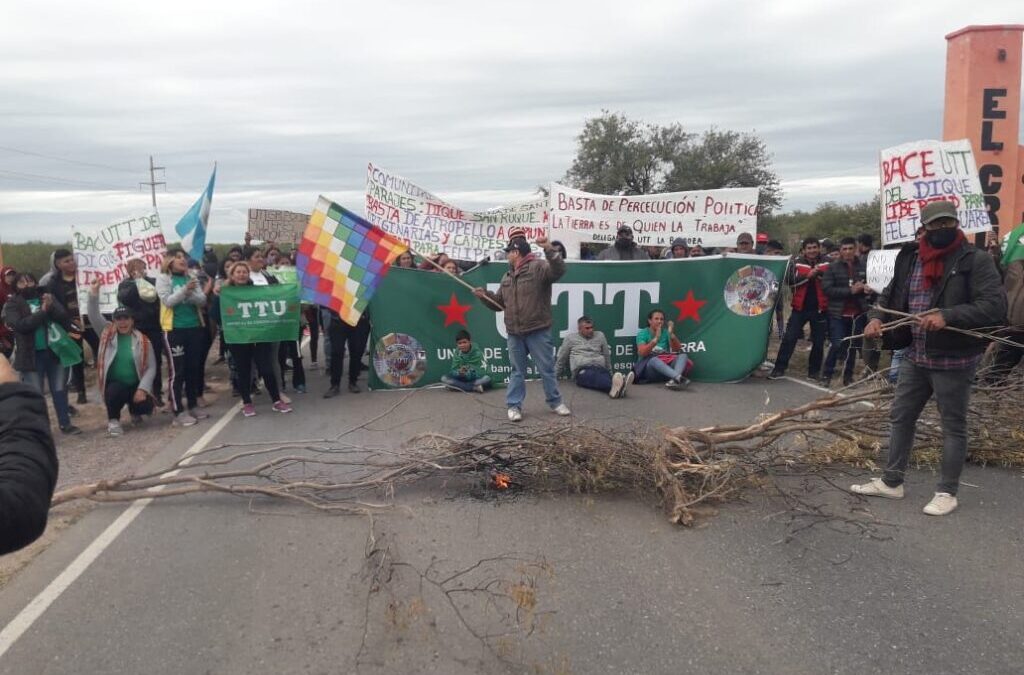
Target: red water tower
[(983, 79)]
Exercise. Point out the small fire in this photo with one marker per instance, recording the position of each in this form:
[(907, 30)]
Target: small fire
[(501, 481)]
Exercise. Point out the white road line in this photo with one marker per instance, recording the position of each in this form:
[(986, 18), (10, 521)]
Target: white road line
[(867, 404), (26, 617)]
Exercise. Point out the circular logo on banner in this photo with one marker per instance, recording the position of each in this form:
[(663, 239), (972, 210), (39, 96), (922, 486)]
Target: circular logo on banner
[(751, 290), (399, 360)]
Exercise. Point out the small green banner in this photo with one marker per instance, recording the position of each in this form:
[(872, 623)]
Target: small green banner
[(61, 344), (251, 314)]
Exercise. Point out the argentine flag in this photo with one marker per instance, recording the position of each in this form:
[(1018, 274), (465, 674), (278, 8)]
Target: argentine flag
[(192, 226)]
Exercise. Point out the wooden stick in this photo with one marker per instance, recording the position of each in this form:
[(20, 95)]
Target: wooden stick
[(488, 298), (907, 318)]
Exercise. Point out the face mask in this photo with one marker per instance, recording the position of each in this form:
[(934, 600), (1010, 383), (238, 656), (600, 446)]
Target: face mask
[(29, 293), (941, 238)]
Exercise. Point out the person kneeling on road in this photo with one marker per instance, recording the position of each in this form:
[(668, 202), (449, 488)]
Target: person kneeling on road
[(589, 358), (661, 359), (126, 364), (469, 368)]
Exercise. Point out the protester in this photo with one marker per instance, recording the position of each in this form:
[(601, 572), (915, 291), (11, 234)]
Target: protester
[(343, 335), (870, 350), (845, 286), (660, 351), (525, 295), (774, 247), (28, 462), (210, 263), (697, 251), (209, 327), (624, 247), (405, 260), (60, 282), (589, 358), (468, 370), (182, 323), (761, 243), (678, 249), (439, 259), (452, 267), (1006, 357), (808, 306), (125, 364), (560, 247), (262, 353), (138, 294), (29, 313), (7, 275), (947, 282), (745, 243)]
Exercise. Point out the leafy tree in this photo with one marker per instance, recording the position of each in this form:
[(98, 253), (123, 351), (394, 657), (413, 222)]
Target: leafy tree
[(829, 219), (617, 155)]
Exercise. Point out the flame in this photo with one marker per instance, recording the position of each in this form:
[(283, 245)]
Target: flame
[(501, 481)]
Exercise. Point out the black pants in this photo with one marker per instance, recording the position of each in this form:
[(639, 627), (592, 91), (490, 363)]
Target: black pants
[(313, 319), (356, 338), (262, 354), (794, 329), (290, 350), (186, 346), (116, 396)]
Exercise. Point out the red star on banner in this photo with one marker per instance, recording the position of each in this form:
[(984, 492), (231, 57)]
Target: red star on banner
[(454, 312), (689, 308)]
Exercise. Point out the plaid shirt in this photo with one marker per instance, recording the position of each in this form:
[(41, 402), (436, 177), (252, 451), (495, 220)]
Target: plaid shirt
[(920, 301)]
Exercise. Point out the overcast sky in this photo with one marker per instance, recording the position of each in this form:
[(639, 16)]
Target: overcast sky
[(477, 102)]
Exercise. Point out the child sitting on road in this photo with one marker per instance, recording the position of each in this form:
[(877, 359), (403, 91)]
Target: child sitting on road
[(469, 368)]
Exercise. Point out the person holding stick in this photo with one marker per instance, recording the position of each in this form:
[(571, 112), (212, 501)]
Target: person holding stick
[(944, 282), (525, 295)]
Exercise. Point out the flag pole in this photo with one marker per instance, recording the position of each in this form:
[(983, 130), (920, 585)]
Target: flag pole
[(488, 298)]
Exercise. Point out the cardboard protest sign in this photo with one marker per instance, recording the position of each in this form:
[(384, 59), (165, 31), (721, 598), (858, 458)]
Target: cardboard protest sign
[(280, 227), (705, 217), (251, 314), (914, 174), (101, 253), (881, 267), (430, 225), (721, 305)]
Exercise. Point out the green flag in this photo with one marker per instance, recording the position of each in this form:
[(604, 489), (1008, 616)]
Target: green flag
[(259, 313), (1013, 246), (61, 344), (722, 309)]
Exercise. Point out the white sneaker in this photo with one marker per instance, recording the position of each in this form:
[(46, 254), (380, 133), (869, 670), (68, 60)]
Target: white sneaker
[(672, 384), (876, 488), (114, 428), (941, 504), (184, 420), (630, 376), (562, 409), (515, 414), (618, 384)]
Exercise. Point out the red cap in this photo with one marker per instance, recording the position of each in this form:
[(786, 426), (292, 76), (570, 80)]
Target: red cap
[(762, 237)]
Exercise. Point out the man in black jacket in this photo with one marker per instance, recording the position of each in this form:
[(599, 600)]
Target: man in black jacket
[(945, 282), (28, 462), (844, 284)]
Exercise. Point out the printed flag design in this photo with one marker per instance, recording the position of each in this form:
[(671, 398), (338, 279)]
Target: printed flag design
[(341, 260)]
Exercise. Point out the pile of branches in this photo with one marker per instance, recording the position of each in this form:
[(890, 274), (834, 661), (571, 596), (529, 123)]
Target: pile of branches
[(684, 469)]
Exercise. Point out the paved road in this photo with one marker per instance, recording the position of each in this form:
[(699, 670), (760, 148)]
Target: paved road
[(214, 584)]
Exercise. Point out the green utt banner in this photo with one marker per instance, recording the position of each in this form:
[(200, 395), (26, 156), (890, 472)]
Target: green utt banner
[(259, 313), (721, 305)]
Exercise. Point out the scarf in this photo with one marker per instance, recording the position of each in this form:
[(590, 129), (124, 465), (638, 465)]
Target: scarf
[(933, 259)]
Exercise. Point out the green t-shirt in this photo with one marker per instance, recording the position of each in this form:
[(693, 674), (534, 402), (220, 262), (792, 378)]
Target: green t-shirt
[(185, 315), (123, 368), (40, 335), (645, 335)]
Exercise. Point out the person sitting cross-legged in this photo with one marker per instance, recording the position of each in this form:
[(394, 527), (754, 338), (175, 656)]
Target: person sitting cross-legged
[(126, 364), (661, 358), (469, 368), (589, 358)]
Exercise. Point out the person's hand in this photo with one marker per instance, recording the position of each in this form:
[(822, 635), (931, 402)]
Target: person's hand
[(94, 287), (932, 322), (873, 329), (543, 242), (208, 287), (248, 237), (480, 293), (139, 396), (657, 332), (191, 285), (671, 327), (7, 373), (46, 302), (858, 287)]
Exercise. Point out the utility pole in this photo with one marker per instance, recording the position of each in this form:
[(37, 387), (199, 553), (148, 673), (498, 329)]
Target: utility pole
[(153, 182)]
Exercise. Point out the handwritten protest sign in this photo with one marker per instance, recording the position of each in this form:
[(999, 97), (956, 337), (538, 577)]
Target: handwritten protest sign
[(280, 227), (914, 174), (705, 217), (102, 252), (430, 225), (881, 267)]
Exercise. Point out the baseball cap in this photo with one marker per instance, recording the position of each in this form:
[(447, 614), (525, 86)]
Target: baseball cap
[(935, 210), (122, 312)]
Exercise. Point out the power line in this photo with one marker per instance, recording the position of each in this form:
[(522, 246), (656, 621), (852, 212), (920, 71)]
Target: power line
[(21, 175), (63, 159)]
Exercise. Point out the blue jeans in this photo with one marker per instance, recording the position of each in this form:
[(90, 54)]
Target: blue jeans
[(839, 327), (794, 329), (594, 377), (48, 367), (467, 385), (659, 371), (894, 369), (541, 349)]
